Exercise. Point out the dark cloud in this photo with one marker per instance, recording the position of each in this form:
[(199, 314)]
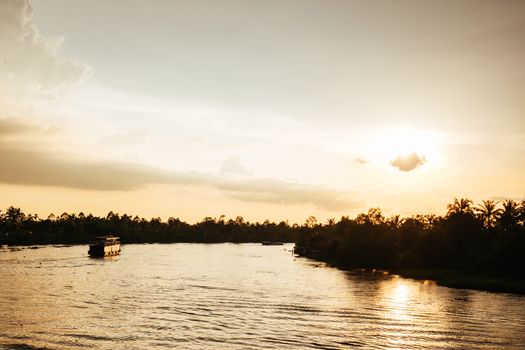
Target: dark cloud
[(408, 162), (33, 167)]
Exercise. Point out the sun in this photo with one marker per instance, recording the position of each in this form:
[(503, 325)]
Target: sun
[(389, 144)]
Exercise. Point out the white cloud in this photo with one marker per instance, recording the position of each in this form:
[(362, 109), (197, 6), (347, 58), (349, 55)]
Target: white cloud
[(31, 72), (233, 165)]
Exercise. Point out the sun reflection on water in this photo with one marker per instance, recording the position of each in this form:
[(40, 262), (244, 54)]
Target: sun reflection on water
[(398, 316), (398, 299)]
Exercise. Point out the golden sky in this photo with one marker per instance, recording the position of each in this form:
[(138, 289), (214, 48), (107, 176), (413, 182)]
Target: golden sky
[(265, 109)]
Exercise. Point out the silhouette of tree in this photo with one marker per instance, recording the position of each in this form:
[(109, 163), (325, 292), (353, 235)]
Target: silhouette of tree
[(457, 241), (14, 215), (310, 222), (430, 220), (373, 217), (462, 205), (488, 213), (509, 217), (395, 221), (521, 215)]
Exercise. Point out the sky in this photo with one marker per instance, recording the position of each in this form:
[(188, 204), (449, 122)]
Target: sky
[(266, 109)]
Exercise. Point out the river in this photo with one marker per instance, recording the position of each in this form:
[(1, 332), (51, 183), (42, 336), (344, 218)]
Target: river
[(235, 296)]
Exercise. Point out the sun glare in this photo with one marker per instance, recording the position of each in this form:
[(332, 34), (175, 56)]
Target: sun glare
[(386, 145)]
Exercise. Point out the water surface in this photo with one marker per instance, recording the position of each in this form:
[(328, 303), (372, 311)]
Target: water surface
[(235, 296)]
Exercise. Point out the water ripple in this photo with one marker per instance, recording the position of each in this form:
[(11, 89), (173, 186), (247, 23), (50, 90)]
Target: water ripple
[(190, 296)]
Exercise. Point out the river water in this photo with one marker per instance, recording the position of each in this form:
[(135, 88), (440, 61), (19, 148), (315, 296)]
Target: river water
[(235, 296)]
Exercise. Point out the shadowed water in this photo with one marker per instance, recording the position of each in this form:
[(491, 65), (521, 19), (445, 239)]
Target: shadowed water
[(227, 296)]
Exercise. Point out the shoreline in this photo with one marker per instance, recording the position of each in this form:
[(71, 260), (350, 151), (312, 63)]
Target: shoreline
[(465, 280), (459, 279), (448, 278)]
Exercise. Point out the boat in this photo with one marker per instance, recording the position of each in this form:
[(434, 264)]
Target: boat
[(104, 246), (272, 243)]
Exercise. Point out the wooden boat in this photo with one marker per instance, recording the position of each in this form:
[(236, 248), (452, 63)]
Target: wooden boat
[(104, 246)]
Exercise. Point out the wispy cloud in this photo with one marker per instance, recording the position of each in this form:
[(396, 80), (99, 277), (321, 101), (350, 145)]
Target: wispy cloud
[(514, 198), (284, 192), (27, 164), (361, 160)]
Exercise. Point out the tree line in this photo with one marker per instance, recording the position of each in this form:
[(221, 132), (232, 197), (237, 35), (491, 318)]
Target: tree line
[(18, 228), (489, 236)]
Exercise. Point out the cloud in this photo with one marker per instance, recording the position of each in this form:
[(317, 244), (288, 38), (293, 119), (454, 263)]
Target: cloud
[(408, 162), (233, 165), (502, 198), (284, 192), (31, 71), (361, 160), (24, 164), (15, 126), (32, 167)]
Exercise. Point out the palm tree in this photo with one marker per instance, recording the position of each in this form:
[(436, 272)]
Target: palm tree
[(462, 205), (488, 213), (429, 220), (395, 221), (521, 216), (509, 216)]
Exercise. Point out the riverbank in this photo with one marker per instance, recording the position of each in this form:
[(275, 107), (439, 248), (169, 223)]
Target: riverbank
[(466, 280), (490, 281), (452, 278)]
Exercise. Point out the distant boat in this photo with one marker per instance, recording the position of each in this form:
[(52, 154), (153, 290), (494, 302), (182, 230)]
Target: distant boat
[(272, 243), (104, 246)]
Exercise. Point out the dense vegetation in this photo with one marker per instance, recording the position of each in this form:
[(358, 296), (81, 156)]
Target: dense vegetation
[(489, 237), (17, 228)]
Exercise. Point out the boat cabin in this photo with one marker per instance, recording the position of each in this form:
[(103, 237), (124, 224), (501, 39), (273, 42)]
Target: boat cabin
[(104, 246)]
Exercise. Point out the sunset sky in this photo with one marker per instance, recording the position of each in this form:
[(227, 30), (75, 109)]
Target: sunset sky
[(265, 109)]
